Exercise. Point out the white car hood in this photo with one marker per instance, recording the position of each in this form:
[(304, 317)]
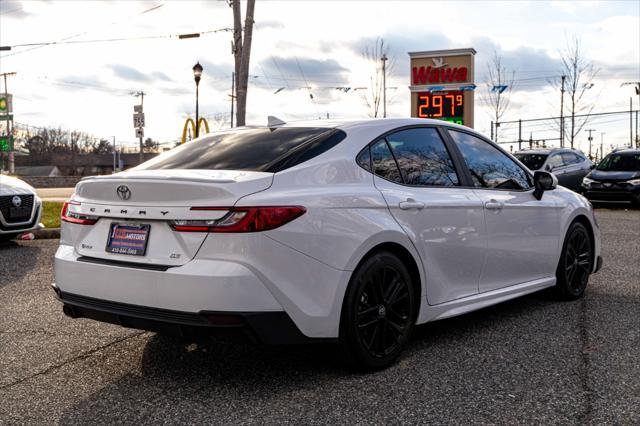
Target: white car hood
[(10, 185)]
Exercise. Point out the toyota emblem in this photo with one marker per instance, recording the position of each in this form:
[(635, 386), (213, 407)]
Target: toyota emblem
[(16, 201), (124, 192)]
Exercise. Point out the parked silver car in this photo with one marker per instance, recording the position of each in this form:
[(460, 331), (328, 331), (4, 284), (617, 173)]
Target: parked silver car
[(568, 165)]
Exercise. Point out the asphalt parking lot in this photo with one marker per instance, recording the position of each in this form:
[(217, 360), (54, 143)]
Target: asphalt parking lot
[(531, 360)]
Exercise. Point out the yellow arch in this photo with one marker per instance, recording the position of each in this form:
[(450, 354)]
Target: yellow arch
[(202, 121), (184, 129)]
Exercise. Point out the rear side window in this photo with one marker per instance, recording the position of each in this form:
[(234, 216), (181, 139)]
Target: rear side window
[(384, 165), (532, 161), (259, 149), (489, 167), (422, 157)]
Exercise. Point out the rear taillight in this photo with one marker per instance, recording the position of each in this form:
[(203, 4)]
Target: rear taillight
[(74, 217), (241, 219)]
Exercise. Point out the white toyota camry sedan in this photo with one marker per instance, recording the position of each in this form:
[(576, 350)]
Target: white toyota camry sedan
[(344, 231)]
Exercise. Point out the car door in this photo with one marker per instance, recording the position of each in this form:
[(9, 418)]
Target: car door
[(523, 232), (573, 169), (417, 176), (557, 166)]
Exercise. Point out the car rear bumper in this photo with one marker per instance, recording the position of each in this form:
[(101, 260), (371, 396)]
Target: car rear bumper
[(199, 285), (256, 327), (268, 278)]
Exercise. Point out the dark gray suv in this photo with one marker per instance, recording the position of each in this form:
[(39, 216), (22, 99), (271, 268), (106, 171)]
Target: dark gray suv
[(569, 165)]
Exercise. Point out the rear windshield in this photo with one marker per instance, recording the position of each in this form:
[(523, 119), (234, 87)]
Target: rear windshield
[(627, 162), (532, 161), (259, 149)]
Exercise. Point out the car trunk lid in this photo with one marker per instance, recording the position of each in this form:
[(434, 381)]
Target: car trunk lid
[(154, 198)]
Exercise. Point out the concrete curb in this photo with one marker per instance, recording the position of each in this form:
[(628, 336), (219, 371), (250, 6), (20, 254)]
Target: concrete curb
[(46, 233)]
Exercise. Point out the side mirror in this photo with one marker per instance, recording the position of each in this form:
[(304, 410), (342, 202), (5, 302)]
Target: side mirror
[(592, 166), (543, 181)]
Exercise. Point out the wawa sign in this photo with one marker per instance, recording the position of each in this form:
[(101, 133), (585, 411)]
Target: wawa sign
[(442, 85)]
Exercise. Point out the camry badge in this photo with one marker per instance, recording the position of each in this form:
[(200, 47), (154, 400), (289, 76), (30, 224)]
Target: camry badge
[(16, 201), (124, 192)]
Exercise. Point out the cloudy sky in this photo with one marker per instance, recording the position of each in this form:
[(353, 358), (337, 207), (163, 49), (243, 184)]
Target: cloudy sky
[(301, 44)]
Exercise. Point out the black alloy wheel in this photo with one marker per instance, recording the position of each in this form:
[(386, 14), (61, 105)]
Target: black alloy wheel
[(575, 264), (378, 313)]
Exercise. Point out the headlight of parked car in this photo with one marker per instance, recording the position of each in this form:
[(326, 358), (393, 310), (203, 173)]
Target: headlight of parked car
[(634, 182), (586, 182)]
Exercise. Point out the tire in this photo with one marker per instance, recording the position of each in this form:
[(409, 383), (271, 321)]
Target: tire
[(378, 313), (576, 263), (7, 237)]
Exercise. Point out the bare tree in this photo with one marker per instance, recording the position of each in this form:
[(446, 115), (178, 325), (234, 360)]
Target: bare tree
[(579, 74), (500, 84), (374, 54), (218, 121), (241, 53)]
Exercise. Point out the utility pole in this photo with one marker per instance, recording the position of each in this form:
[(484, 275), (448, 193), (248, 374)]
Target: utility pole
[(140, 123), (242, 51), (519, 134), (562, 113), (233, 94), (384, 84), (630, 122), (590, 140), (602, 145), (9, 123), (114, 154)]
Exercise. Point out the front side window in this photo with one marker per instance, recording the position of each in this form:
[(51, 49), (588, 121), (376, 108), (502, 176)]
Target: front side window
[(555, 161), (384, 165), (570, 158), (422, 157), (488, 166)]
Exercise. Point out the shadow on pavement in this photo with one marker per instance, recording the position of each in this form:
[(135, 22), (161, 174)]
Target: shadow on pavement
[(186, 380), (20, 265)]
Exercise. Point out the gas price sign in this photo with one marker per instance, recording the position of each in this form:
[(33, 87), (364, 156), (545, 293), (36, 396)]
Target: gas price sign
[(447, 105)]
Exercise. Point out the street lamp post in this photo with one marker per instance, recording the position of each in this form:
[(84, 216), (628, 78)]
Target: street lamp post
[(197, 72)]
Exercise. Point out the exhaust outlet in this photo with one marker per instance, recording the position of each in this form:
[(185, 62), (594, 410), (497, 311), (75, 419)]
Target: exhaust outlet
[(68, 311)]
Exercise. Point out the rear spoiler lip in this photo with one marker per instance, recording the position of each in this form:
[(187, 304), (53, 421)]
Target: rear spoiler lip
[(141, 177)]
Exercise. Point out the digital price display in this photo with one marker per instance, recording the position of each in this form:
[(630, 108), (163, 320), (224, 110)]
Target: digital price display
[(448, 105)]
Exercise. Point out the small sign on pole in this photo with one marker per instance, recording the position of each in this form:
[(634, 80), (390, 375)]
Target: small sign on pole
[(138, 119), (139, 132), (6, 104), (137, 108)]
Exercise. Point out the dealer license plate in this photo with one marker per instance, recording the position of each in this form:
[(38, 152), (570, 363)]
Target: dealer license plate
[(128, 239)]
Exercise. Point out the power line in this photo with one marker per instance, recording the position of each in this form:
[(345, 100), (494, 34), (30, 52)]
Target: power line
[(108, 40), (71, 36)]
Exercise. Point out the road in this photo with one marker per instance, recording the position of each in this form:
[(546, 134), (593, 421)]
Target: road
[(530, 360), (55, 194)]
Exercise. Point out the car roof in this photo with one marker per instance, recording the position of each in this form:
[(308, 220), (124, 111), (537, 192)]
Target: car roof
[(627, 151), (548, 151), (350, 123)]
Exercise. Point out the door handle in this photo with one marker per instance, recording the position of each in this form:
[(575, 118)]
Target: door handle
[(494, 205), (411, 204)]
